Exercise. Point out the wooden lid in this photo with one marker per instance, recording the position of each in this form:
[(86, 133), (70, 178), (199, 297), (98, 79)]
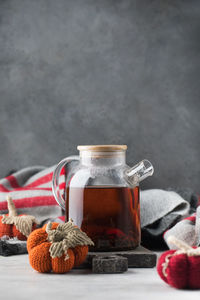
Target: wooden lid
[(103, 148)]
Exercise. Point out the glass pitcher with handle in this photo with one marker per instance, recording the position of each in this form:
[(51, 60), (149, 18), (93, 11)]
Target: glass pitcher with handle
[(102, 195)]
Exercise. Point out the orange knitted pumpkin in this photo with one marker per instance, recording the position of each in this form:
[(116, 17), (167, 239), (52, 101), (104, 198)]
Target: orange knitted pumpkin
[(14, 225), (57, 247)]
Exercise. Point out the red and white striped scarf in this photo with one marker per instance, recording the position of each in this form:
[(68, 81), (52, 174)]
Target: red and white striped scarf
[(30, 189)]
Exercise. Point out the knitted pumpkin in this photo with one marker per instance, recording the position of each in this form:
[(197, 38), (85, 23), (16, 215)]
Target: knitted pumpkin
[(57, 247), (13, 225), (180, 268)]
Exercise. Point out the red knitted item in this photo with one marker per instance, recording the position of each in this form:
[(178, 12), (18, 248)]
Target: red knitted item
[(182, 270)]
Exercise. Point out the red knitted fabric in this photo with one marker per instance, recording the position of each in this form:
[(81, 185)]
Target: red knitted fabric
[(182, 271)]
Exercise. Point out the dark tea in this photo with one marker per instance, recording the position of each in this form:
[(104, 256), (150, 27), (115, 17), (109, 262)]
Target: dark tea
[(109, 215)]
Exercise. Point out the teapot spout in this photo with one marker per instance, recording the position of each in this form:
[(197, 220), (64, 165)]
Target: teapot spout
[(140, 171)]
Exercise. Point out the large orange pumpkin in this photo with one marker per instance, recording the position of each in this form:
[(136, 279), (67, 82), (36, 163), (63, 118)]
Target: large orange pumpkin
[(48, 250), (13, 225)]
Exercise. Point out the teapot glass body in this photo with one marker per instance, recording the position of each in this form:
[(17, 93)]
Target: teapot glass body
[(102, 196)]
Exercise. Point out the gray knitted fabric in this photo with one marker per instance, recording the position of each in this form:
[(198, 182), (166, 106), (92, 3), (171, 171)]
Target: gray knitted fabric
[(161, 210), (187, 230), (157, 204)]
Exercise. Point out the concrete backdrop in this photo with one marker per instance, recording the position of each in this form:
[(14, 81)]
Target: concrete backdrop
[(95, 72)]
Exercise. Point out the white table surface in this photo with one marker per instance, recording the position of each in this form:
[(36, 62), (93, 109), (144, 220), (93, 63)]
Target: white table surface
[(19, 281)]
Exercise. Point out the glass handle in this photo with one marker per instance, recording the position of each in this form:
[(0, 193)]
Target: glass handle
[(140, 171), (55, 179)]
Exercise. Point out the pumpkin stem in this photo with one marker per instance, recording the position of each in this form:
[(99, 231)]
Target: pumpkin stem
[(48, 228), (11, 207), (178, 243), (183, 247), (65, 236)]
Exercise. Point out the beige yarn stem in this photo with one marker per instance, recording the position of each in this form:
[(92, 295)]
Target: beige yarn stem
[(23, 223), (183, 249), (165, 264), (65, 236), (178, 243), (11, 207)]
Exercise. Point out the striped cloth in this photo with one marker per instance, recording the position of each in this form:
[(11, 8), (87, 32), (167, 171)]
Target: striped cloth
[(30, 189)]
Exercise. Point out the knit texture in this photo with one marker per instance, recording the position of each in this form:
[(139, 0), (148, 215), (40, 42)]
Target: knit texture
[(66, 236), (10, 230), (160, 210), (180, 268), (44, 260), (187, 230), (30, 189), (23, 224)]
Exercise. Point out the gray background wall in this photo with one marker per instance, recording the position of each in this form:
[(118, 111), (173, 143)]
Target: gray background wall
[(111, 71)]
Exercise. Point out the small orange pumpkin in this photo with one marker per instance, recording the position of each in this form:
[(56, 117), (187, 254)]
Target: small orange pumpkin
[(13, 225), (57, 247)]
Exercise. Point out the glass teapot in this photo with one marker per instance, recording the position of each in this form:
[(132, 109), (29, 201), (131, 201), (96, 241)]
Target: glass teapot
[(102, 195)]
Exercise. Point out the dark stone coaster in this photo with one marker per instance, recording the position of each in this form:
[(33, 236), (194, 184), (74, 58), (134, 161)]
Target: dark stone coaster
[(109, 264), (12, 246), (137, 258)]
